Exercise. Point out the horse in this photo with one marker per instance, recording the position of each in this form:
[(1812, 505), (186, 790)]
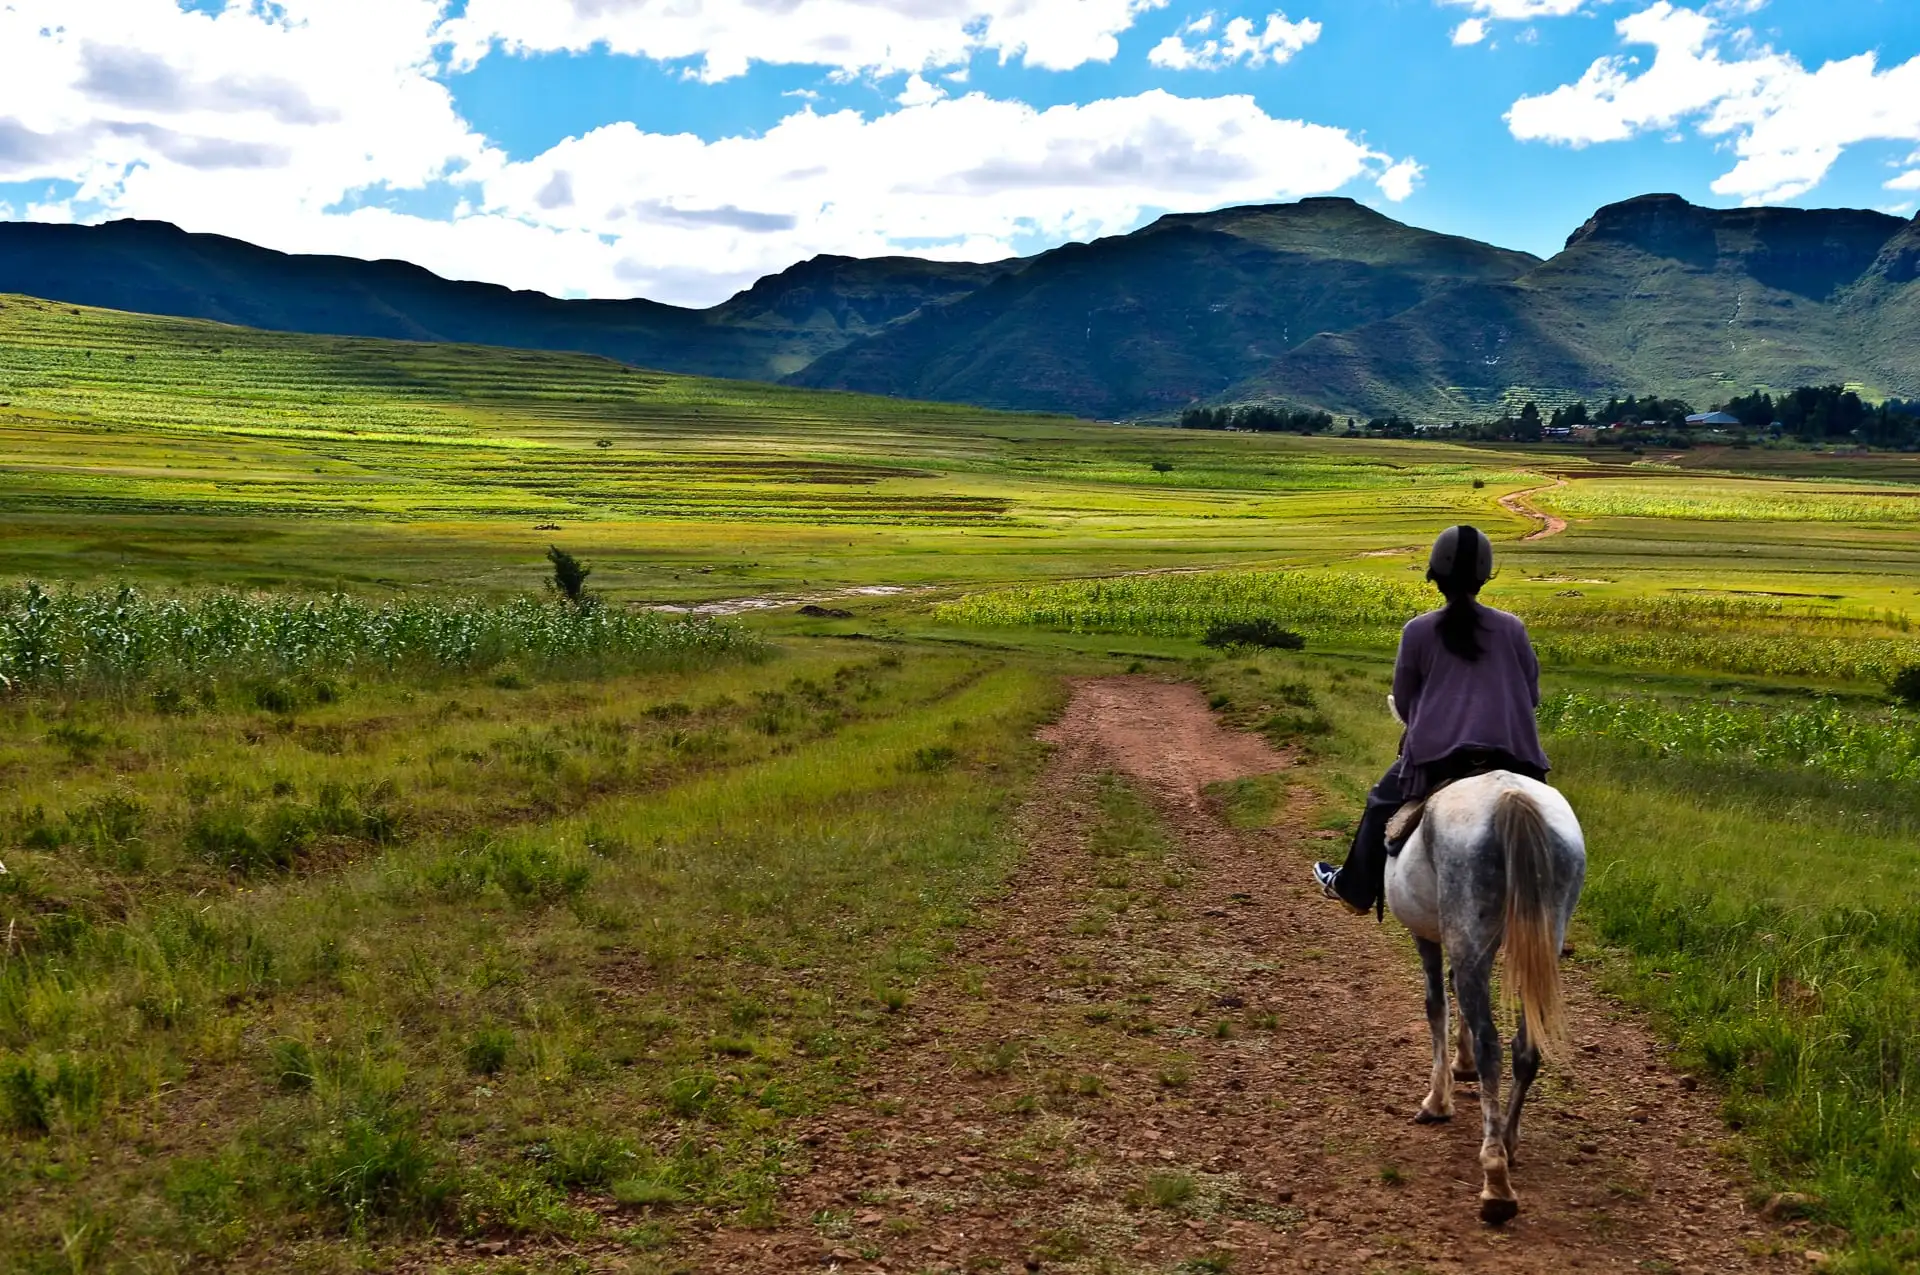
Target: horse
[(1497, 861)]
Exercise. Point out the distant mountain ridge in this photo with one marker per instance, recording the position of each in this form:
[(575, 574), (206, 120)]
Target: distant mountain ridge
[(1322, 303)]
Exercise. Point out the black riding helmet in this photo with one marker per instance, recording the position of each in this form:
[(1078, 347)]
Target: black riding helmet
[(1462, 560)]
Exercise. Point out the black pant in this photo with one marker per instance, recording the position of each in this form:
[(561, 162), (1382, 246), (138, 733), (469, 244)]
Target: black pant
[(1363, 878)]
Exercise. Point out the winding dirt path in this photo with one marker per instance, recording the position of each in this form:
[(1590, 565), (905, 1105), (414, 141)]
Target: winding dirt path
[(1517, 503), (1193, 1063)]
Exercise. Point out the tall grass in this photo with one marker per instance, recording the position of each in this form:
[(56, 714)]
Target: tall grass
[(1754, 636), (71, 637), (1728, 502), (1319, 603), (1824, 735)]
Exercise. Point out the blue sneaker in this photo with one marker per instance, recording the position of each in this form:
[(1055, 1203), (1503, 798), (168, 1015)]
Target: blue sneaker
[(1328, 876)]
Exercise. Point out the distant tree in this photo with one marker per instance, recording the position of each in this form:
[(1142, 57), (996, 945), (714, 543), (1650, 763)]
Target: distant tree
[(1568, 417), (1393, 425), (1258, 418), (569, 575), (1527, 428)]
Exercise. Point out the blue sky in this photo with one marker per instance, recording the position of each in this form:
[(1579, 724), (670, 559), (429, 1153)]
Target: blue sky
[(634, 147)]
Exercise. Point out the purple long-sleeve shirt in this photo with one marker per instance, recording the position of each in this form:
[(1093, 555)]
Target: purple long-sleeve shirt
[(1451, 704)]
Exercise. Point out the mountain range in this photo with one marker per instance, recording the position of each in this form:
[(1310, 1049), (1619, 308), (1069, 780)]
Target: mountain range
[(1322, 303)]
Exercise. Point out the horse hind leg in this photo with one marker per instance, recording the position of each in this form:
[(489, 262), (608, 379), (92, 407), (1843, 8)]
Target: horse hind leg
[(1526, 1066), (1464, 1068), (1498, 1204), (1438, 1106)]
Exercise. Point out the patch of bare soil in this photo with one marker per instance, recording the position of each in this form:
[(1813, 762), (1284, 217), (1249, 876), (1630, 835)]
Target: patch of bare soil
[(1207, 1067), (1550, 524)]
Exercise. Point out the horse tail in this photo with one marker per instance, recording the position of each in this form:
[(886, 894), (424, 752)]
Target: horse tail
[(1532, 950)]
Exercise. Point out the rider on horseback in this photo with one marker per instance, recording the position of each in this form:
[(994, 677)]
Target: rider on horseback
[(1466, 683)]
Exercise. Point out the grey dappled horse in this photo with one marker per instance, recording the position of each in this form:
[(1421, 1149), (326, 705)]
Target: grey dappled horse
[(1498, 860)]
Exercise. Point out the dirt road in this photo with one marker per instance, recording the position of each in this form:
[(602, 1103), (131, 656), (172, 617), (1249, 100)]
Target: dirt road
[(1518, 503), (1218, 1073)]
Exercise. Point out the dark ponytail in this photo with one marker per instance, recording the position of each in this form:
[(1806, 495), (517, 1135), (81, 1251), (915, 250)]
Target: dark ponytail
[(1460, 620)]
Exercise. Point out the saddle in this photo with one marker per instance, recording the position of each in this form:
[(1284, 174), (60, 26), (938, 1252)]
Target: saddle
[(1406, 820)]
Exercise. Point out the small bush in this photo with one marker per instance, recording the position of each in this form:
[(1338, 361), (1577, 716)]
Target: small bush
[(526, 872), (1167, 1190), (694, 1094), (587, 1160), (1905, 685), (488, 1051), (26, 1099), (293, 1064), (373, 1172), (205, 1195), (1292, 724), (225, 837), (1265, 633), (647, 1192), (569, 575), (932, 759)]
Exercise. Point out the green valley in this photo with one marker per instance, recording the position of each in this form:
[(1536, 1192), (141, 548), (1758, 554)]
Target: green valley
[(366, 905)]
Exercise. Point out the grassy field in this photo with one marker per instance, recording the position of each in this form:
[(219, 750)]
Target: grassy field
[(358, 897), (178, 452), (284, 983)]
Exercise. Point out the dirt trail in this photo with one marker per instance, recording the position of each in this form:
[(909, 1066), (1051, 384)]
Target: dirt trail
[(1517, 503), (1021, 1115)]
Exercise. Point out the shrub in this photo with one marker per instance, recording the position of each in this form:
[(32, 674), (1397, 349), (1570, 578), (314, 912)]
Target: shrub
[(569, 575), (488, 1050), (1905, 685), (374, 1171), (293, 1064), (1260, 632), (588, 1160), (26, 1099), (526, 872), (932, 758)]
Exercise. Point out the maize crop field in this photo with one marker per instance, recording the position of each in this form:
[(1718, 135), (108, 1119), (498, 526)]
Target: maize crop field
[(1709, 501), (1835, 738), (1683, 632), (66, 637)]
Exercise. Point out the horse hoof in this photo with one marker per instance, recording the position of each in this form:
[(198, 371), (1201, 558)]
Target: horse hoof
[(1466, 1076), (1497, 1212), (1423, 1116)]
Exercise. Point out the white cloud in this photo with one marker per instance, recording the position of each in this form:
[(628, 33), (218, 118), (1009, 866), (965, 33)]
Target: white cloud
[(1522, 10), (234, 118), (1399, 180), (315, 126), (877, 36), (1906, 181), (1471, 31), (1276, 43), (966, 177), (919, 92), (1786, 125)]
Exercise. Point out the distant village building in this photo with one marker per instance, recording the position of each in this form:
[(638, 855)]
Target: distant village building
[(1713, 420)]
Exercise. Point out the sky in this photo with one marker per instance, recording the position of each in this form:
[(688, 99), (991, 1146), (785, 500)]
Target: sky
[(680, 149)]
